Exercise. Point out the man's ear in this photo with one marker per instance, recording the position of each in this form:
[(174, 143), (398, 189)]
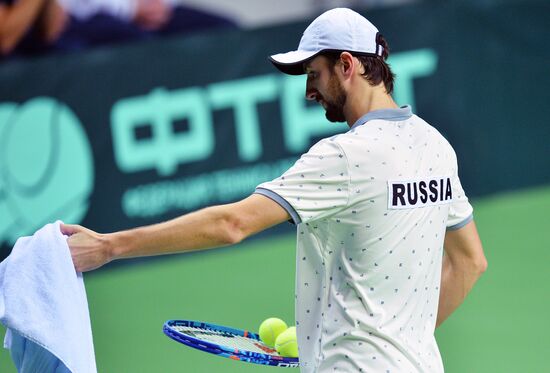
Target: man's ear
[(346, 64)]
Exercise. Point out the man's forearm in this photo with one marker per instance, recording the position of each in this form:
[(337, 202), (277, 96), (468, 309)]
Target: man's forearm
[(207, 228), (211, 227), (457, 279), (16, 20)]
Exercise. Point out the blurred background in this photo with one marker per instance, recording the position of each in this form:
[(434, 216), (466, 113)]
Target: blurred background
[(115, 114)]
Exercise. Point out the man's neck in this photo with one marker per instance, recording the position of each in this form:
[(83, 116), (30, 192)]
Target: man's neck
[(370, 99)]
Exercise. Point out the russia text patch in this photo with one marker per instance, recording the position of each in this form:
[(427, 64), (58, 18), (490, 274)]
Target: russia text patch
[(419, 193)]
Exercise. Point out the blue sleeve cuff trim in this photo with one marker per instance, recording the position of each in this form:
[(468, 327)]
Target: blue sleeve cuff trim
[(281, 201), (461, 224)]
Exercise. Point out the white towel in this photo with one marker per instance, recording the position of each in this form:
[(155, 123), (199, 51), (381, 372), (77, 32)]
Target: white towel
[(43, 304)]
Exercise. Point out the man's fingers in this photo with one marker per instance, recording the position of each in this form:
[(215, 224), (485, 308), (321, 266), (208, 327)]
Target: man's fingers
[(70, 229), (88, 248)]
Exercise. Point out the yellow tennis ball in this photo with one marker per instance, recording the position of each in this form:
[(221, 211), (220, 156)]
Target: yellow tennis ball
[(270, 330), (286, 343)]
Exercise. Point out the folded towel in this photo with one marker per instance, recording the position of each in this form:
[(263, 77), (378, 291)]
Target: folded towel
[(43, 304)]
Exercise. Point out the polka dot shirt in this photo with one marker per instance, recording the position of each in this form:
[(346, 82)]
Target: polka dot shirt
[(371, 207)]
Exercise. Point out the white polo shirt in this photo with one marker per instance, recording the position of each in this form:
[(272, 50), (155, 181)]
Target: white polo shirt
[(371, 206)]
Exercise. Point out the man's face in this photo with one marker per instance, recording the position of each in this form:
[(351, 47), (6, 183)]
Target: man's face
[(324, 87)]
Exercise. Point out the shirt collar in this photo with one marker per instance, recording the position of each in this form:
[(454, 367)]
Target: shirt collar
[(402, 113)]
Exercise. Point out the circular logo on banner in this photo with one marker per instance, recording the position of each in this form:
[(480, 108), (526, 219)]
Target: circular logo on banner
[(46, 167)]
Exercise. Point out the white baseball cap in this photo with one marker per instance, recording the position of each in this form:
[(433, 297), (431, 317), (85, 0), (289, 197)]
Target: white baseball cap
[(338, 29)]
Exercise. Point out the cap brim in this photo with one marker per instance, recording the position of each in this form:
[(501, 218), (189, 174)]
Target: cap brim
[(292, 63)]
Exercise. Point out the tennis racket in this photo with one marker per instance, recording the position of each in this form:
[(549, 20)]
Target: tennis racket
[(234, 344)]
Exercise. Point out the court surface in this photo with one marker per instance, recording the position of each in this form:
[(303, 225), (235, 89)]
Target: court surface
[(502, 327)]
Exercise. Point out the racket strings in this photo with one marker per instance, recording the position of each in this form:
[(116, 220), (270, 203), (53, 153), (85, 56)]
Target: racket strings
[(226, 339)]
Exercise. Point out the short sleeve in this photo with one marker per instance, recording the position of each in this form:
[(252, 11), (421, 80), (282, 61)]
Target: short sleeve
[(315, 187), (460, 210)]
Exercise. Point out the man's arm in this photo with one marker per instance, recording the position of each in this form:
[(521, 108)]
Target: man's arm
[(207, 228), (16, 20), (463, 264)]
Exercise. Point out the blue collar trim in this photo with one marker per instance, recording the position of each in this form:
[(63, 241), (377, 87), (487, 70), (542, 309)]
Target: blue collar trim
[(402, 113)]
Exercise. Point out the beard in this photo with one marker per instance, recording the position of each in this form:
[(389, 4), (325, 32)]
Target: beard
[(335, 106)]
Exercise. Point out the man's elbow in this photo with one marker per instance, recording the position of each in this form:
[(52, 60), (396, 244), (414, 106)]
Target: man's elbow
[(7, 45), (232, 229), (477, 265), (5, 48), (481, 265)]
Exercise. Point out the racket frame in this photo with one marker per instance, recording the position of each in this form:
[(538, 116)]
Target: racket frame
[(226, 351)]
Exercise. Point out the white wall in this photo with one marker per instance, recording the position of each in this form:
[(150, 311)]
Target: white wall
[(257, 13)]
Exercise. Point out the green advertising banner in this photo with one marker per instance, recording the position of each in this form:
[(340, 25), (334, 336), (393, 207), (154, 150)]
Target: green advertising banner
[(130, 135)]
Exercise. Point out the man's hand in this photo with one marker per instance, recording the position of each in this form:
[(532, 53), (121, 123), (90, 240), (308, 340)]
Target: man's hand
[(89, 250), (152, 14), (53, 21)]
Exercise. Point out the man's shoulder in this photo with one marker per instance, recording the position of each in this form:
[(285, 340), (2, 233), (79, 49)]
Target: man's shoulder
[(423, 125), (333, 142)]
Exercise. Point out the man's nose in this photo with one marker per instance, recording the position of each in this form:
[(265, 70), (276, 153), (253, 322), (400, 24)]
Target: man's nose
[(311, 93)]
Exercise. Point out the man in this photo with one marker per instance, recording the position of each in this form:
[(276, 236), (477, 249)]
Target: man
[(25, 25), (134, 19), (373, 206)]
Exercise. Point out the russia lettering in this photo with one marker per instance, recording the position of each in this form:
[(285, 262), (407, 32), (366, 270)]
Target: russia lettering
[(419, 193)]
